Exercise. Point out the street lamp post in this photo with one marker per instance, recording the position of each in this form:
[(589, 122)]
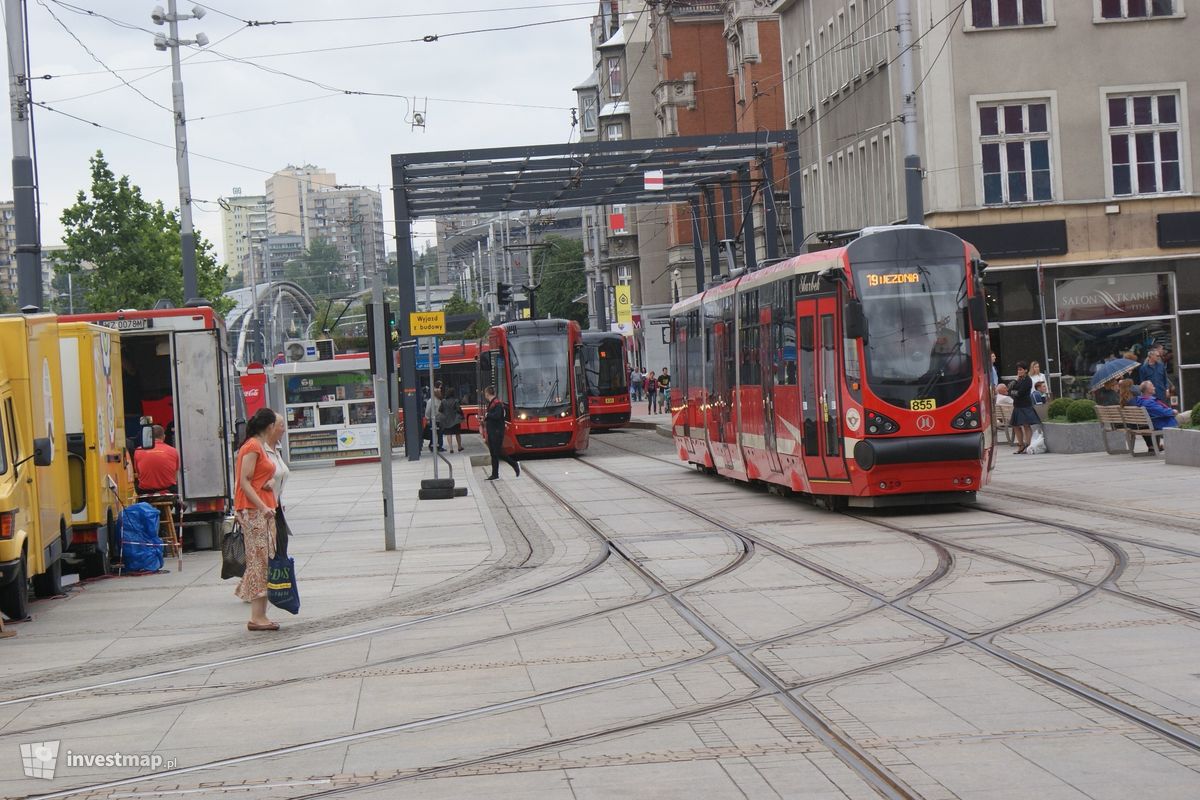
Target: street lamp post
[(187, 235)]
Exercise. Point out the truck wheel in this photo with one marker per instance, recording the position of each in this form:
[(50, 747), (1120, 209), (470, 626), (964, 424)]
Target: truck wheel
[(49, 583), (14, 597)]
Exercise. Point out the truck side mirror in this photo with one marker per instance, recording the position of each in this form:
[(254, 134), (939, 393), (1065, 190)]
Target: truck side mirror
[(977, 309), (855, 321), (43, 452)]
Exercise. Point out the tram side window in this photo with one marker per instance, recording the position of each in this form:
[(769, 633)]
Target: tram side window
[(749, 338), (783, 338), (500, 376), (485, 376), (581, 396), (695, 366)]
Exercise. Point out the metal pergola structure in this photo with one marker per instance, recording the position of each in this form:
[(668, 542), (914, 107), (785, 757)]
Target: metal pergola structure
[(547, 177)]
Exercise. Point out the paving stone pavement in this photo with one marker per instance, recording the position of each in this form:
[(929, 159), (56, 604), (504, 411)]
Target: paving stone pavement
[(650, 632)]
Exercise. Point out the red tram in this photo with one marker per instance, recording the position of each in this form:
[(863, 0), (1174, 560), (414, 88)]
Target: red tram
[(858, 375), (456, 372), (537, 369), (607, 366)]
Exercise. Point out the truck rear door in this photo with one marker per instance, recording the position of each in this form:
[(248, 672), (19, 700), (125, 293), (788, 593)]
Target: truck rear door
[(200, 422)]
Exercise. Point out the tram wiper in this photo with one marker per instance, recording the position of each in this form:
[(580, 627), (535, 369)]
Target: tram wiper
[(552, 393)]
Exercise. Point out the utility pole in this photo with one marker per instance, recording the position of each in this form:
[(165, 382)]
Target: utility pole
[(913, 197), (383, 413), (29, 249), (187, 236)]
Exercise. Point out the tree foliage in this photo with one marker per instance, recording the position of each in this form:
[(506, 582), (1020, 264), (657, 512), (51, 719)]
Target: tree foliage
[(558, 267), (124, 251), (457, 305), (321, 271)]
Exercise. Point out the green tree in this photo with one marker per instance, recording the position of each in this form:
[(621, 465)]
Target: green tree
[(457, 305), (426, 264), (8, 303), (558, 267), (321, 271), (124, 251)]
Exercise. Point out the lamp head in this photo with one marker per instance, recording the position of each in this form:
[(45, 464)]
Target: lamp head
[(160, 42), (201, 40), (158, 16), (198, 12)]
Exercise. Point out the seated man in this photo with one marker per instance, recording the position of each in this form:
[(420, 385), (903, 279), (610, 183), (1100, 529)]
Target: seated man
[(158, 467), (1002, 398), (1161, 414), (1039, 393)]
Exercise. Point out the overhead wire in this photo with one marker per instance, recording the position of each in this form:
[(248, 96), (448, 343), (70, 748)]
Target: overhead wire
[(98, 60), (413, 15)]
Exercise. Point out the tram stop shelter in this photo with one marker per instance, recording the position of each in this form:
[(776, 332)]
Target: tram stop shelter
[(729, 170)]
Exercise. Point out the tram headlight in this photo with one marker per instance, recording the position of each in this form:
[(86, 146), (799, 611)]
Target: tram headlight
[(967, 419), (878, 424), (522, 415)]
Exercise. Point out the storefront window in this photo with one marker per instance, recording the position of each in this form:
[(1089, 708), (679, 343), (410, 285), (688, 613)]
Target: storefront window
[(332, 415), (1021, 343), (329, 388), (1013, 296), (1187, 283), (362, 413), (301, 416)]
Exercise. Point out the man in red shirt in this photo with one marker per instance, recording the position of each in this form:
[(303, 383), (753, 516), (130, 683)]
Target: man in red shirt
[(157, 467)]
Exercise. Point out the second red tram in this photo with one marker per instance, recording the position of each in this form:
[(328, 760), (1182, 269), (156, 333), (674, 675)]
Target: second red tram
[(858, 375), (607, 366), (536, 367)]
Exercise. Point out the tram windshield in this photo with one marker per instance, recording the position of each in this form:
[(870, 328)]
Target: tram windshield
[(541, 375), (605, 365), (918, 345)]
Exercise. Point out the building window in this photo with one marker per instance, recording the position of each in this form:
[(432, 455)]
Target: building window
[(589, 112), (615, 85), (1014, 141), (614, 131), (1007, 13), (1139, 9), (1143, 139)]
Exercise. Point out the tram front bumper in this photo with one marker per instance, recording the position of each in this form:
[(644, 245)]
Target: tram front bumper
[(871, 453)]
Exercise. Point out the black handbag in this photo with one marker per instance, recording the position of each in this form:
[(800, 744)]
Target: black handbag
[(233, 553), (282, 532)]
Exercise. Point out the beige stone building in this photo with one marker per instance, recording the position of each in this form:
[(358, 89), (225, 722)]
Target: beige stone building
[(287, 197), (1056, 135), (243, 227)]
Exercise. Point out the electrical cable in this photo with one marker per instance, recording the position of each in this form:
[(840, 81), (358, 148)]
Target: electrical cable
[(260, 23), (98, 60)]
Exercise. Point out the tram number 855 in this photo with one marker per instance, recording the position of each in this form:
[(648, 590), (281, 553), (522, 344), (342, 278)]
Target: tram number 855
[(927, 404)]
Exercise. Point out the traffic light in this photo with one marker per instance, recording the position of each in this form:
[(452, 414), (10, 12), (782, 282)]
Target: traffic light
[(503, 294)]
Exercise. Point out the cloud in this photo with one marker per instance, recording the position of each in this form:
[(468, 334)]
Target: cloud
[(353, 136)]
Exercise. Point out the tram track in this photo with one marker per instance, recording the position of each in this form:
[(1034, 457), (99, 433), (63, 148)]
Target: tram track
[(982, 641)]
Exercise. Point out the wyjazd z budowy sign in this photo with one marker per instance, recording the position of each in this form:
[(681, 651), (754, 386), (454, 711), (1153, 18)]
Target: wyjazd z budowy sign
[(1116, 297)]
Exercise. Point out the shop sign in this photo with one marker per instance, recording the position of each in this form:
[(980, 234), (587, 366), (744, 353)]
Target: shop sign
[(358, 437), (1115, 297)]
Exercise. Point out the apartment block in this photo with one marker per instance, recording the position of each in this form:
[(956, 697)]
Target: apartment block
[(243, 223), (8, 249), (287, 197)]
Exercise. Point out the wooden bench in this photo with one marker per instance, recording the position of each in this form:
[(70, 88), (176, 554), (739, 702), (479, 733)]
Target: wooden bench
[(1131, 421), (1002, 414)]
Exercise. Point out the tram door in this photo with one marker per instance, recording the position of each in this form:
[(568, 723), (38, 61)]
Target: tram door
[(768, 360), (819, 396)]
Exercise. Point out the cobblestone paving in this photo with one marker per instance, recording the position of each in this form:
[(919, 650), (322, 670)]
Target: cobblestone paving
[(622, 626)]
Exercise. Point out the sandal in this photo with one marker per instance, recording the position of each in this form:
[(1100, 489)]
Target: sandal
[(1022, 449), (254, 626), (7, 634)]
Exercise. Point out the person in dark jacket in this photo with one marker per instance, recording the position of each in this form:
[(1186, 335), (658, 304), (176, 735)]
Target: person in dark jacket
[(1155, 371), (1023, 415), (494, 419)]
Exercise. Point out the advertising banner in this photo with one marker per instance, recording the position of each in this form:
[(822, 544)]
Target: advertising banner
[(254, 388)]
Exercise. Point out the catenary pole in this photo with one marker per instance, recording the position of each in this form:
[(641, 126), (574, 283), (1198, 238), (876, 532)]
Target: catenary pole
[(28, 244), (187, 236), (383, 414), (913, 198)]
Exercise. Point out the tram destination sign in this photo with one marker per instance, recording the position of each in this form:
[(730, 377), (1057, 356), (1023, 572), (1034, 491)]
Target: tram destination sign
[(427, 323)]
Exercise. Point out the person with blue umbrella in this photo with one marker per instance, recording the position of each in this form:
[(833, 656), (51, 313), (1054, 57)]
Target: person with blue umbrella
[(1104, 381)]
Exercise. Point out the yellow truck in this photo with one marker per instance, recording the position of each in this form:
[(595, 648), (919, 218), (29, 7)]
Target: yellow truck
[(35, 494), (97, 457)]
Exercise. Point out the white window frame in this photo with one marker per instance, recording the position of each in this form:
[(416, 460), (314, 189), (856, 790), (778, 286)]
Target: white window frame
[(584, 99), (609, 127), (1102, 20), (1182, 113), (1050, 97), (1048, 19), (609, 63)]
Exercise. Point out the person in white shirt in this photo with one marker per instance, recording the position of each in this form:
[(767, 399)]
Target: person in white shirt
[(1002, 398)]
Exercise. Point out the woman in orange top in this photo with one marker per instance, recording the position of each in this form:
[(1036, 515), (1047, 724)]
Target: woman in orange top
[(254, 503)]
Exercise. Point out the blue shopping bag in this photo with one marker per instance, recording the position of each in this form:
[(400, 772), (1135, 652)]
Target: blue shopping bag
[(281, 584)]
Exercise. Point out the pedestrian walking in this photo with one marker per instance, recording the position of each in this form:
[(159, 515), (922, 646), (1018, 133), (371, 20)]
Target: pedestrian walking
[(1023, 415), (664, 391), (635, 385), (494, 420), (651, 393), (450, 421), (433, 408), (254, 504), (274, 438)]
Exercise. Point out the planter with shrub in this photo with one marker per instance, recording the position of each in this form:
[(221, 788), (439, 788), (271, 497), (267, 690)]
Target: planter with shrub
[(1072, 427)]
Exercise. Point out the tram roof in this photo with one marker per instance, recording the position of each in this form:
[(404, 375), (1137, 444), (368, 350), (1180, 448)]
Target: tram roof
[(581, 174), (803, 264)]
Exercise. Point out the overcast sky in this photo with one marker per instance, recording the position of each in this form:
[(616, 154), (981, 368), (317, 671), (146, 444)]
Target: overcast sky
[(525, 74)]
